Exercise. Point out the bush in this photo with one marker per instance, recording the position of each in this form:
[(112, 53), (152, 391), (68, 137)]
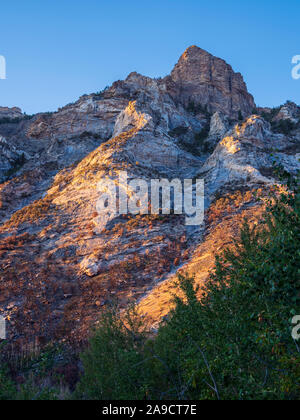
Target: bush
[(284, 126), (197, 109), (268, 116), (201, 137), (19, 162), (113, 363), (8, 389), (6, 120), (198, 145), (178, 131)]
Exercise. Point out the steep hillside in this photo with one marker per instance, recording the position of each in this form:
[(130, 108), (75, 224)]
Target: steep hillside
[(60, 259)]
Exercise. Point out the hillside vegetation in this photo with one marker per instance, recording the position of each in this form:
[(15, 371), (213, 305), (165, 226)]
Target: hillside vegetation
[(233, 343)]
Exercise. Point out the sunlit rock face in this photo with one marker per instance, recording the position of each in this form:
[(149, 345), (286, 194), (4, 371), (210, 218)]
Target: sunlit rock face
[(90, 115), (246, 157), (60, 259), (210, 82), (66, 246)]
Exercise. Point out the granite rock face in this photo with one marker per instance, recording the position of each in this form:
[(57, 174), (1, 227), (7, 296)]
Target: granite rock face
[(210, 82), (219, 125), (90, 115), (60, 257), (246, 157), (289, 111), (10, 158)]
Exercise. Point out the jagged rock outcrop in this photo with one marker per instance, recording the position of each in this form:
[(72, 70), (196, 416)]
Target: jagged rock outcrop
[(10, 113), (290, 111), (90, 115), (246, 157), (10, 158), (219, 125), (210, 82)]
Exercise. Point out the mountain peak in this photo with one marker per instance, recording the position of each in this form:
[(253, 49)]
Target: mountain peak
[(208, 81), (193, 49)]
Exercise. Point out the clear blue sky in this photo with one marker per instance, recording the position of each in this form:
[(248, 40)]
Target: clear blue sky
[(59, 50)]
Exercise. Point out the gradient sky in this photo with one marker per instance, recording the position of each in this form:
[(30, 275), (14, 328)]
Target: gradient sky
[(59, 50)]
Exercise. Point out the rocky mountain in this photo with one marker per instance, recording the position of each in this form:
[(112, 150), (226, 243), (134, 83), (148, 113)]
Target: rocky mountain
[(207, 81), (61, 260), (289, 111), (10, 113)]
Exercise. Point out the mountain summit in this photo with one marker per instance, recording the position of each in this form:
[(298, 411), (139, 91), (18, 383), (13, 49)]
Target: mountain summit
[(210, 82)]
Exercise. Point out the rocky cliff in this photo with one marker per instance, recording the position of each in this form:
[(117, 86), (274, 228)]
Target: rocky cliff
[(60, 260), (209, 82), (10, 113)]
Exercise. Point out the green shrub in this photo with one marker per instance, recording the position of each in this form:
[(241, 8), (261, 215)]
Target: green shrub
[(113, 363), (283, 126), (6, 120), (19, 162), (201, 137), (198, 145), (197, 109), (33, 376), (268, 116), (8, 390), (178, 131)]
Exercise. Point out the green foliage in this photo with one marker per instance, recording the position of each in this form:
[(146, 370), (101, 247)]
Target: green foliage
[(268, 116), (113, 363), (6, 120), (201, 137), (99, 95), (19, 162), (198, 145), (178, 131), (281, 126), (89, 134), (284, 126), (241, 329), (16, 120), (8, 390), (197, 109), (33, 376)]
